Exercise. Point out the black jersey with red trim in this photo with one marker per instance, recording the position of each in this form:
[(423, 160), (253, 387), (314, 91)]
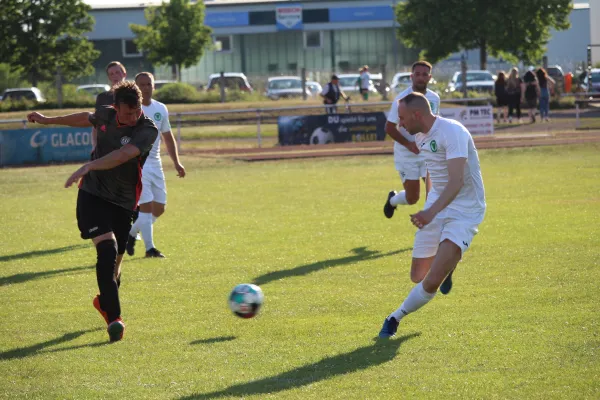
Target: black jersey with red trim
[(121, 185)]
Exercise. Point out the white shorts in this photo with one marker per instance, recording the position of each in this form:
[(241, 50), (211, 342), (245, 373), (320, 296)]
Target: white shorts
[(154, 187), (456, 226), (411, 170)]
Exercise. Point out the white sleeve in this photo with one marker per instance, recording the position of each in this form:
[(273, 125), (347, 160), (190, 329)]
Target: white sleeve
[(457, 143), (393, 114), (325, 90), (165, 126)]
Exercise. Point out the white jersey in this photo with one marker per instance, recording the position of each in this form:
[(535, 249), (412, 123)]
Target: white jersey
[(401, 153), (364, 80), (158, 112), (446, 140)]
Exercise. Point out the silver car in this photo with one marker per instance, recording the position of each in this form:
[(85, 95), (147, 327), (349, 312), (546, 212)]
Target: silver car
[(285, 87)]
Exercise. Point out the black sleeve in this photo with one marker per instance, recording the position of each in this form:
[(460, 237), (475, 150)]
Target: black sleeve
[(144, 137)]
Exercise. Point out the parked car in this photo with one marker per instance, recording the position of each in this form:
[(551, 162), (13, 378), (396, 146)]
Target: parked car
[(160, 83), (31, 93), (594, 85), (282, 87), (479, 80), (314, 87), (93, 90), (380, 86), (233, 81), (555, 72), (349, 83)]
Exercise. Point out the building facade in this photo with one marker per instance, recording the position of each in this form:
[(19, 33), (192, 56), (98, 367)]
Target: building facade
[(263, 38)]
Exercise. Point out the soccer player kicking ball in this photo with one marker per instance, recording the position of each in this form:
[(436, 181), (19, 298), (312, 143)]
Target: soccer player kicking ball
[(454, 208), (110, 187), (154, 190)]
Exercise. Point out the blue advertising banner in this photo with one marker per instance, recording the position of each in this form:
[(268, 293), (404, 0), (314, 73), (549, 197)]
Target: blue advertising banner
[(336, 128), (350, 14), (289, 17), (44, 146), (223, 19)]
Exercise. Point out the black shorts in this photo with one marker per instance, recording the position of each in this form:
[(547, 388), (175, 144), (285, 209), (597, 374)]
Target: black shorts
[(96, 217)]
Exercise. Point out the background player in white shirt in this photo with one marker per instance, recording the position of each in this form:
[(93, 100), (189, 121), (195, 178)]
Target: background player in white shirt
[(454, 208), (154, 190), (409, 163)]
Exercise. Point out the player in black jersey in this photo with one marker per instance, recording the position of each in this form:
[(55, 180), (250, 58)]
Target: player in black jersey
[(109, 187)]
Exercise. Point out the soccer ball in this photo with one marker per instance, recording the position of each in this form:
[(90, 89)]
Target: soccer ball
[(321, 136), (245, 300)]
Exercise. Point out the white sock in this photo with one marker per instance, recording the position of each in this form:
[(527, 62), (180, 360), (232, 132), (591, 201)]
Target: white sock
[(146, 229), (399, 199), (416, 299), (135, 228), (154, 218)]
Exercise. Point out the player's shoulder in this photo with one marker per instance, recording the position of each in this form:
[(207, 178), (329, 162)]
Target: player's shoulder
[(432, 94), (159, 105), (449, 126), (403, 94)]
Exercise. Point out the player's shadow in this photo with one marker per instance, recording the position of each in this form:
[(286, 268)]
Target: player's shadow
[(360, 254), (40, 253), (218, 339), (362, 358), (40, 348), (30, 276)]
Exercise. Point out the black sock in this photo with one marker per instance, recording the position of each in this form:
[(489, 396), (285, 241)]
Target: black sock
[(105, 274)]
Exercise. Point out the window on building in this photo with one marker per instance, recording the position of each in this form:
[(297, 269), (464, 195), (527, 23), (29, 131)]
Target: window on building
[(261, 17), (224, 43), (313, 40), (315, 16), (130, 49)]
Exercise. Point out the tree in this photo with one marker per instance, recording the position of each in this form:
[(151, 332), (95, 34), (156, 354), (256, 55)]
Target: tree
[(175, 34), (41, 37), (515, 29)]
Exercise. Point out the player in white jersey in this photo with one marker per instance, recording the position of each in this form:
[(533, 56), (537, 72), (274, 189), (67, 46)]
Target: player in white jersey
[(454, 208), (409, 163), (153, 198)]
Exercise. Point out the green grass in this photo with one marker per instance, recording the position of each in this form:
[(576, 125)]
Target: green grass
[(521, 322)]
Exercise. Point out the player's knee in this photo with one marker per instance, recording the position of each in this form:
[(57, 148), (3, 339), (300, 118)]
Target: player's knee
[(412, 197), (107, 259), (158, 211), (416, 277)]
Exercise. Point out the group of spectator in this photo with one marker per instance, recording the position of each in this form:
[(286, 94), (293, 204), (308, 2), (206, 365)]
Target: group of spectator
[(532, 90)]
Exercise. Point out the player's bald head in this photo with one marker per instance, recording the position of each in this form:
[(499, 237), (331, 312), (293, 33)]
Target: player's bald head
[(416, 102)]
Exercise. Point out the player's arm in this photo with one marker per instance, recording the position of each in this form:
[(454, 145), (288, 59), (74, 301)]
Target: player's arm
[(109, 161), (172, 149), (81, 119), (456, 168), (392, 130)]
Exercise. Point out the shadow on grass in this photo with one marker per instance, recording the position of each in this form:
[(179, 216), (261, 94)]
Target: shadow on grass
[(30, 276), (41, 253), (218, 339), (23, 352), (362, 358), (360, 254)]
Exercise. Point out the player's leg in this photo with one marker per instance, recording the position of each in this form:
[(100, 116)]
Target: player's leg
[(410, 173), (460, 229), (159, 195), (424, 252), (145, 199)]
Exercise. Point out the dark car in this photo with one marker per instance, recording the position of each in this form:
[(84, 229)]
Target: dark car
[(32, 93), (233, 81)]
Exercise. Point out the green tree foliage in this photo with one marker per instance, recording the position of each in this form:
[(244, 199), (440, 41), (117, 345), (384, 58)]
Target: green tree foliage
[(511, 28), (40, 36), (175, 34)]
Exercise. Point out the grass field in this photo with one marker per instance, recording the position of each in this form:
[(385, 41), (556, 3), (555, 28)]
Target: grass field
[(521, 322)]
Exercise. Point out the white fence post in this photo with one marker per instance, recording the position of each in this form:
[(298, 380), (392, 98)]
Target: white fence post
[(258, 133)]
